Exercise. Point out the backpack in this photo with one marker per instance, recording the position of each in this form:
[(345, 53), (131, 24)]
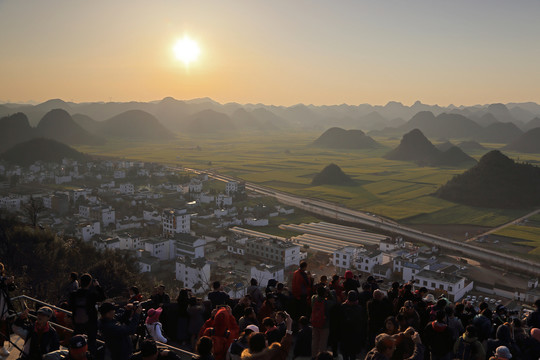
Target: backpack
[(80, 310), (318, 314), (465, 351)]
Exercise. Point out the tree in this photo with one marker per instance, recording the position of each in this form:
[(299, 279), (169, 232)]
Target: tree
[(32, 209)]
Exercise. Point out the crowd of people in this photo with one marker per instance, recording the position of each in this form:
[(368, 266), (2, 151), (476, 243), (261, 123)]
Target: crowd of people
[(325, 319)]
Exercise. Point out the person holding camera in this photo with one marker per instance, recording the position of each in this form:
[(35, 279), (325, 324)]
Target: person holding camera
[(116, 335), (6, 285)]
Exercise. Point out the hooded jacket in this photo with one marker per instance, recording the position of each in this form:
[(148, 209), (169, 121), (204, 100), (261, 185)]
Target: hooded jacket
[(479, 352), (438, 338), (503, 338)]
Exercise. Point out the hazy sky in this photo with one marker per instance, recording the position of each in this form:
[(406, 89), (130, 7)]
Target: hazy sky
[(272, 52)]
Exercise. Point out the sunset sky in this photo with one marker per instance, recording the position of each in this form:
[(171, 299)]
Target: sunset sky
[(272, 52)]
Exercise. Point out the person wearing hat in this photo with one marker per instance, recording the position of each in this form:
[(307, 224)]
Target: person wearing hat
[(149, 351), (116, 335), (352, 335), (502, 353), (504, 337), (153, 326), (41, 338), (78, 350)]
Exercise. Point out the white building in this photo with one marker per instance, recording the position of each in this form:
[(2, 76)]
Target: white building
[(195, 186), (147, 262), (262, 273), (358, 258), (190, 246), (223, 200), (89, 230), (195, 274), (175, 222), (151, 216), (119, 174), (127, 189), (206, 198), (455, 286), (158, 247), (10, 204), (221, 212), (231, 187), (76, 194), (275, 251), (130, 242), (106, 243), (105, 214)]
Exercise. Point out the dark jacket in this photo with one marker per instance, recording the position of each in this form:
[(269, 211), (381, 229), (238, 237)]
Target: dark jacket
[(438, 338), (483, 326), (36, 345), (352, 334), (503, 338), (162, 355), (477, 348), (92, 295), (117, 336), (302, 347)]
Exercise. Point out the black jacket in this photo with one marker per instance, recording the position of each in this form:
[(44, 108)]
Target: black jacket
[(117, 336)]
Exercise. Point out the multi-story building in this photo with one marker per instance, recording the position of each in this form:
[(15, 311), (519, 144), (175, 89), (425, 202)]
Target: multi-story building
[(231, 187), (158, 247), (89, 230), (105, 214), (275, 251), (127, 189), (359, 258), (187, 245), (175, 222), (263, 272), (452, 285), (194, 273)]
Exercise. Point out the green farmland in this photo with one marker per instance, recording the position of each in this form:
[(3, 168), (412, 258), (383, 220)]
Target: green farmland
[(398, 190)]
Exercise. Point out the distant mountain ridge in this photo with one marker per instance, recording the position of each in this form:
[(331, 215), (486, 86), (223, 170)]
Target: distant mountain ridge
[(529, 142), (495, 182), (172, 113), (58, 125)]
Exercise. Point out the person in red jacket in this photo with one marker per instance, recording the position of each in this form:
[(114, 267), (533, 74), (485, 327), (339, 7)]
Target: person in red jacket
[(223, 332), (302, 286)]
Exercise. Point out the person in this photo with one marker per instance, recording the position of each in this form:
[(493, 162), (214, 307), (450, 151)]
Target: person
[(160, 297), (196, 318), (243, 303), (41, 338), (116, 335), (467, 346), (218, 296), (454, 323), (302, 346), (351, 282), (82, 304), (73, 284), (6, 285), (378, 309), (385, 345), (533, 320), (249, 318), (255, 294), (153, 326), (150, 351), (502, 353), (268, 309), (204, 349), (504, 337), (319, 321), (438, 338), (391, 326), (277, 351), (134, 295), (271, 331), (352, 335), (240, 344), (77, 350), (482, 323), (302, 284)]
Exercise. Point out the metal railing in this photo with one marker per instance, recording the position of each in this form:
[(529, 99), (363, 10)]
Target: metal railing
[(184, 354)]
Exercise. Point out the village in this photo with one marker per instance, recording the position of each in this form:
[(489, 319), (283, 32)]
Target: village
[(197, 230)]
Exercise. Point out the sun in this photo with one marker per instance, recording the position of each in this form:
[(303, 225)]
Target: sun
[(186, 50)]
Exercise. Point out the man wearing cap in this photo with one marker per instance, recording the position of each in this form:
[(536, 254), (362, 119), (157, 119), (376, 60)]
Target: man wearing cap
[(78, 350), (41, 338), (150, 351), (116, 335)]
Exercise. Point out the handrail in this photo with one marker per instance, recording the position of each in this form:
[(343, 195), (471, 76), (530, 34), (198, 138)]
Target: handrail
[(26, 297)]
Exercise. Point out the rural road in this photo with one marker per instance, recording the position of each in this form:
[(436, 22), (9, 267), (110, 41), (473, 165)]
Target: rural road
[(340, 213), (513, 222)]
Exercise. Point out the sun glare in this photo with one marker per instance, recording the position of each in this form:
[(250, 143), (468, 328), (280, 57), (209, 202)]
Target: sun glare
[(186, 50)]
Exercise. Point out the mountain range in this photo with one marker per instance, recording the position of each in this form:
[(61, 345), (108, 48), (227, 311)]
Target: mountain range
[(173, 113), (338, 138)]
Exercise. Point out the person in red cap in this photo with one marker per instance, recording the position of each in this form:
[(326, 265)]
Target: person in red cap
[(351, 282), (154, 327)]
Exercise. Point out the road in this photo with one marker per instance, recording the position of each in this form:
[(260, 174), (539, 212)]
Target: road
[(340, 213), (513, 222)]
